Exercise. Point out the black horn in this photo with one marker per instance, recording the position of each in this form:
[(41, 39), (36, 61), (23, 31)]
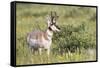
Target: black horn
[(51, 14), (55, 13)]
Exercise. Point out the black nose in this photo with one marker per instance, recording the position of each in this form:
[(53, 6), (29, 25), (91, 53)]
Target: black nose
[(57, 27)]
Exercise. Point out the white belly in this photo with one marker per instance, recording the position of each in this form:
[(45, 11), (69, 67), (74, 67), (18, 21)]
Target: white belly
[(40, 43)]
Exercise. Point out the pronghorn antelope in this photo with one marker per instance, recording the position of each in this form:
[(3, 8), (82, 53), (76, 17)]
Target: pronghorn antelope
[(39, 40)]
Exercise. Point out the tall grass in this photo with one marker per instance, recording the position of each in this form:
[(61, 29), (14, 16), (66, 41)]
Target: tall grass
[(76, 41)]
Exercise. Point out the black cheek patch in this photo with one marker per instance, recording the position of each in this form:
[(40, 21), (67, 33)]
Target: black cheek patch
[(50, 28)]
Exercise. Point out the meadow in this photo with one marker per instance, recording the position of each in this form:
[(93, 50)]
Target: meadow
[(75, 42)]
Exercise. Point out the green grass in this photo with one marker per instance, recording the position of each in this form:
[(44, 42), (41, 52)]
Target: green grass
[(78, 29)]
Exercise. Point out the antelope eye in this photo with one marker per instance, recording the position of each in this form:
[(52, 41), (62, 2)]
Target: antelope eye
[(51, 23), (54, 23)]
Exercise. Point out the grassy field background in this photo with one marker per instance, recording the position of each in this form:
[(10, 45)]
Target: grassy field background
[(76, 41)]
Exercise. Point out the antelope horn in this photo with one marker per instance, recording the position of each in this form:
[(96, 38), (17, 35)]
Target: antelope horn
[(51, 14), (55, 13)]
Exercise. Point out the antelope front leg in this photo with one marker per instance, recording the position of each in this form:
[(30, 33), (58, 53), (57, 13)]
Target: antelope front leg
[(40, 51), (40, 54), (48, 54)]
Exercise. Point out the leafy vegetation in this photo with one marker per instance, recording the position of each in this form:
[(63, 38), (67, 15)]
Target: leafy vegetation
[(76, 41)]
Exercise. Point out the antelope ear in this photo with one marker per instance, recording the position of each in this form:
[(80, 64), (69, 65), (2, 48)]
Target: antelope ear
[(48, 20)]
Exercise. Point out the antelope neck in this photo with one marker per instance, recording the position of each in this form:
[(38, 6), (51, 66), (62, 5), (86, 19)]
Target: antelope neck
[(49, 32)]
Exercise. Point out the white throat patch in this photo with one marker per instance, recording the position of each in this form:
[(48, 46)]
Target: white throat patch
[(49, 34)]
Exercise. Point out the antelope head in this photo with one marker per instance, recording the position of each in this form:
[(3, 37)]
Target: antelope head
[(51, 21)]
